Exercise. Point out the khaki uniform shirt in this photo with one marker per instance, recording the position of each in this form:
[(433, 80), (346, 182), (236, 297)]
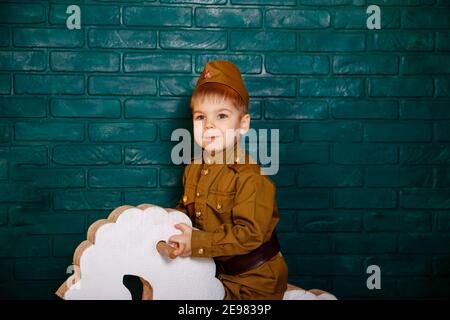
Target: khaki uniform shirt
[(234, 207)]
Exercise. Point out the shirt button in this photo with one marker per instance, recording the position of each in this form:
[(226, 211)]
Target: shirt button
[(198, 194), (219, 205), (200, 251), (184, 198), (205, 172), (198, 213)]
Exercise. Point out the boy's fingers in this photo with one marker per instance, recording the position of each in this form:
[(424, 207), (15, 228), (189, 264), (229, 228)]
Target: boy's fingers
[(183, 227)]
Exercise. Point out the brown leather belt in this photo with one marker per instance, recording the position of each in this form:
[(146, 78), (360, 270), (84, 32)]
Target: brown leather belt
[(241, 263)]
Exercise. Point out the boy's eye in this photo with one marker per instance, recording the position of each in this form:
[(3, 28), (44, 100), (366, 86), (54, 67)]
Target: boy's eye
[(199, 117), (223, 116)]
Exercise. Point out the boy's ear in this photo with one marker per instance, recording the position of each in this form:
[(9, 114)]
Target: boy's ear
[(245, 124)]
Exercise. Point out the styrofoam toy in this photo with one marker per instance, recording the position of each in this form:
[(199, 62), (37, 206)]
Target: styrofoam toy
[(133, 241)]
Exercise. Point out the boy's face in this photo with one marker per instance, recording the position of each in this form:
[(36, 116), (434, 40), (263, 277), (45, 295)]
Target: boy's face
[(217, 124)]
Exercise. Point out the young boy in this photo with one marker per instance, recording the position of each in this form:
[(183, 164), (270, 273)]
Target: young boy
[(231, 204)]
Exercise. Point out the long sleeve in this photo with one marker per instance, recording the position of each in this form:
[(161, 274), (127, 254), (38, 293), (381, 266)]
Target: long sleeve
[(252, 215)]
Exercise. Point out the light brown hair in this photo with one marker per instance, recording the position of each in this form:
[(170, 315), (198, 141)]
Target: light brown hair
[(218, 92)]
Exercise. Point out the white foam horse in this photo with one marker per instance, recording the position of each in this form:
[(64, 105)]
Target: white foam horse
[(133, 241)]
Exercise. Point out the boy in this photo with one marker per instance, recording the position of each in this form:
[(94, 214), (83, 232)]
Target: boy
[(231, 204)]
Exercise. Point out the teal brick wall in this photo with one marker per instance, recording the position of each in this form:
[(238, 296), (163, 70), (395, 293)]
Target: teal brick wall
[(364, 116)]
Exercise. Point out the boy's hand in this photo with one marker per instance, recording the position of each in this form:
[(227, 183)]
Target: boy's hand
[(182, 241)]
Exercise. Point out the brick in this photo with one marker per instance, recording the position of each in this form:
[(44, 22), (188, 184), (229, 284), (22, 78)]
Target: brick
[(262, 2), (364, 109), (443, 41), (23, 107), (442, 177), (177, 85), (398, 265), (425, 199), (405, 87), (64, 246), (23, 61), (122, 85), (5, 84), (85, 108), (119, 132), (364, 198), (331, 2), (157, 62), (441, 130), (425, 64), (330, 265), (328, 176), (324, 221), (404, 2), (407, 131), (3, 176), (49, 130), (295, 109), (52, 177), (332, 131), (27, 155), (441, 265), (423, 109), (367, 64), (425, 243), (356, 18), (262, 41), (4, 37), (286, 223), (171, 177), (86, 154), (389, 221), (166, 198), (22, 13), (11, 192), (364, 243), (444, 221), (303, 153), (198, 39), (157, 108), (85, 61), (122, 178), (228, 18), (91, 14), (286, 132), (433, 19), (167, 127), (271, 86), (398, 177), (302, 199), (297, 19), (338, 87), (157, 16), (400, 41), (285, 177), (157, 153), (48, 84), (122, 39), (41, 270), (364, 153), (295, 64), (310, 243), (85, 200), (48, 37), (247, 63), (425, 154), (442, 87), (29, 247), (4, 133), (331, 42)]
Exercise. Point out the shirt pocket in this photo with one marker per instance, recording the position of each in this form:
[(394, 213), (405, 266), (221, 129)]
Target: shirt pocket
[(221, 203)]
